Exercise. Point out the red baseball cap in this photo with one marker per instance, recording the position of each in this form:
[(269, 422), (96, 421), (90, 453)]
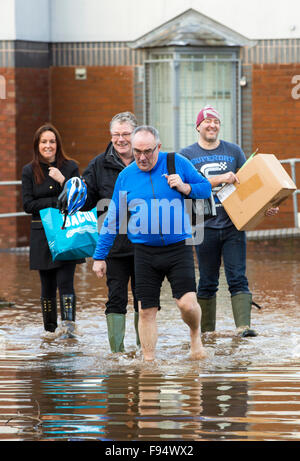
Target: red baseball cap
[(207, 112)]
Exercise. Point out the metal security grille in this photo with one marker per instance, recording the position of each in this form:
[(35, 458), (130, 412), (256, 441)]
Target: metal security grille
[(178, 85)]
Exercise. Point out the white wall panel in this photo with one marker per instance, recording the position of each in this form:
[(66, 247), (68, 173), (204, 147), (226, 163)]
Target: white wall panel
[(7, 20), (99, 20)]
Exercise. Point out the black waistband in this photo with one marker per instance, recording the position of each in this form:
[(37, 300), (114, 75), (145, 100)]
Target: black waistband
[(172, 245)]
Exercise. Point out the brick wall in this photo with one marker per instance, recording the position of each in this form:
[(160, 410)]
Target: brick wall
[(32, 110), (8, 230), (82, 109), (25, 108), (7, 127), (276, 124)]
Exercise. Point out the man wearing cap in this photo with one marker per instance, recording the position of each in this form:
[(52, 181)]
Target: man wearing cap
[(218, 161)]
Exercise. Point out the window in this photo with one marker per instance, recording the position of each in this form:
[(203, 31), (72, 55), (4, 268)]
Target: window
[(178, 85)]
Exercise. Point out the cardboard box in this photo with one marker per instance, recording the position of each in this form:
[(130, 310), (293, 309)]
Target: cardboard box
[(264, 183)]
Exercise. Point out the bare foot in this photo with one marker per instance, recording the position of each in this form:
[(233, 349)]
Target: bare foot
[(148, 356), (198, 352), (147, 359), (198, 355)]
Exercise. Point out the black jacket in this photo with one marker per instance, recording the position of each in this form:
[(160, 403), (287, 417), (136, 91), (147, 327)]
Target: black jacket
[(35, 198), (100, 177)]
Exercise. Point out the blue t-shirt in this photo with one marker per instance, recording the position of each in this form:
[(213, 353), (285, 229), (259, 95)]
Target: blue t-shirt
[(226, 157)]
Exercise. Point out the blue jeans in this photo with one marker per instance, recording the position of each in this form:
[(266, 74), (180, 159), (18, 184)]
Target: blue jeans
[(229, 244)]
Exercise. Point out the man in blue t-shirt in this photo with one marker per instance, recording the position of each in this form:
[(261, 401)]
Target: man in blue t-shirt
[(159, 229), (218, 161)]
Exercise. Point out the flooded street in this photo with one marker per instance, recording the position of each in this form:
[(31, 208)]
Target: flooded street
[(74, 389)]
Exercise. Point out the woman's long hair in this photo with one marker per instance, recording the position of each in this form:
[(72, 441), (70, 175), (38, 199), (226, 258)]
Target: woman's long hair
[(61, 157)]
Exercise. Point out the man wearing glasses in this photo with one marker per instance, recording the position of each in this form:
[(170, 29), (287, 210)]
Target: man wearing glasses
[(100, 177), (159, 231)]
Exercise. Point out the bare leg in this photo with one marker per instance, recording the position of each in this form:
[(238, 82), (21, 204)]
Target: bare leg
[(148, 331), (191, 315)]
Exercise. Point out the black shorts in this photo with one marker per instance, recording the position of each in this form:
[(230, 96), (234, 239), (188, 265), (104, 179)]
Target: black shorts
[(153, 264)]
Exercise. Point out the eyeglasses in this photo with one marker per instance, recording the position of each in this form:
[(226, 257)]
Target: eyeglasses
[(119, 135), (147, 152)]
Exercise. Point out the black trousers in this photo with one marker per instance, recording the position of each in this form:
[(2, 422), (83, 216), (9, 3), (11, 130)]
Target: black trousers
[(119, 272), (61, 278)]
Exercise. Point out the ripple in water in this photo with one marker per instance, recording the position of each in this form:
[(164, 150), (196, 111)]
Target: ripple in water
[(75, 389)]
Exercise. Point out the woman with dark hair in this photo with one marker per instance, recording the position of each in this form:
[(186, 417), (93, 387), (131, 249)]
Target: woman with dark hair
[(42, 182)]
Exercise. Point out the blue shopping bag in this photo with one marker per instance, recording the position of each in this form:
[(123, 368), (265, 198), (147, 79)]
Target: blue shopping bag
[(77, 240)]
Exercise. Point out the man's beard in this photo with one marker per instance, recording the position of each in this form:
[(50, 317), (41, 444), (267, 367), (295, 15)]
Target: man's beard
[(211, 139)]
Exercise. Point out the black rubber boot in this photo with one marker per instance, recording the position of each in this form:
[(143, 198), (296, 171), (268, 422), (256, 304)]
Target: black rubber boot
[(49, 311), (241, 308), (208, 313), (68, 313)]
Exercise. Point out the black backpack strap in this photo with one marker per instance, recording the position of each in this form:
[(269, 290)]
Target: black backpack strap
[(171, 162)]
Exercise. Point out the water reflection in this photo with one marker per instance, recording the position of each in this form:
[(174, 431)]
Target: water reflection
[(146, 405), (246, 389)]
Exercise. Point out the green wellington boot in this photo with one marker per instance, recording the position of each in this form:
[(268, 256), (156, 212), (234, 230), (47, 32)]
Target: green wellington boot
[(49, 311), (68, 313), (208, 313), (116, 331), (241, 308), (136, 326)]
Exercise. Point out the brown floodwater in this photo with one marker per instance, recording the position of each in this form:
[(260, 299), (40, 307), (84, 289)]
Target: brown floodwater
[(55, 389)]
